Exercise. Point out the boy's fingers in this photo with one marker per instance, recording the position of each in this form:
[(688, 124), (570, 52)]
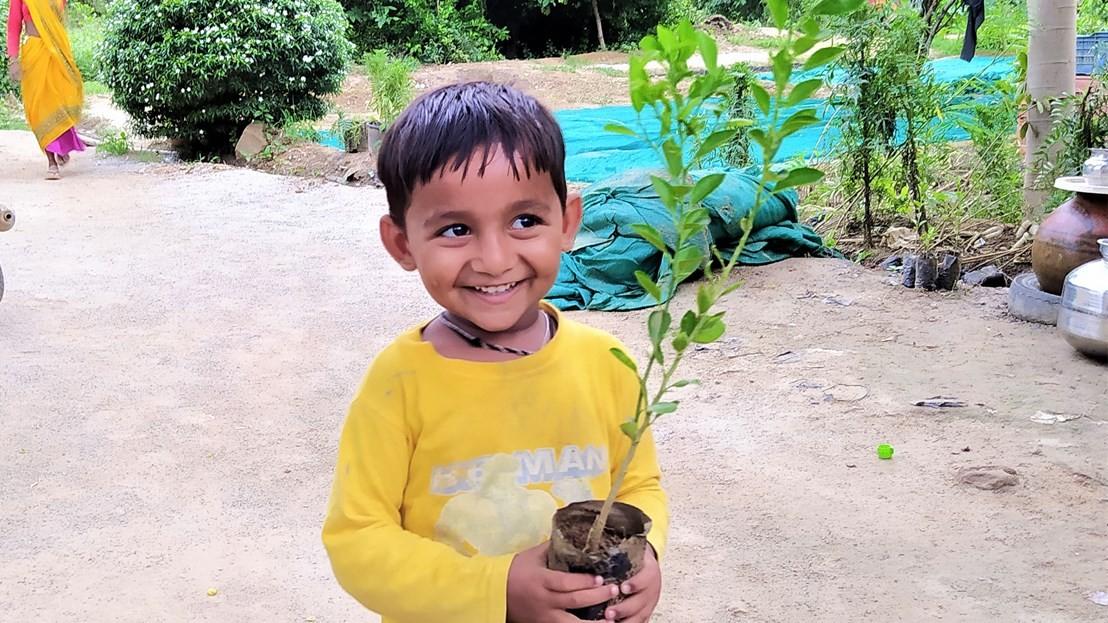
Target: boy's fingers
[(587, 597), (561, 582), (634, 609), (649, 576)]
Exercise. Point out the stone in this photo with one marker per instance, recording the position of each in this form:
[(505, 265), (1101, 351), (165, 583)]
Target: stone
[(252, 142), (893, 262), (987, 277), (989, 477)]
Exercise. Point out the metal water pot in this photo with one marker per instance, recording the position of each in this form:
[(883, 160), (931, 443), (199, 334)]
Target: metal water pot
[(1083, 319), (7, 221)]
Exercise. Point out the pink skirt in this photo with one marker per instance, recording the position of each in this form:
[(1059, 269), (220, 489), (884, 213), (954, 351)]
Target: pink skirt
[(67, 142)]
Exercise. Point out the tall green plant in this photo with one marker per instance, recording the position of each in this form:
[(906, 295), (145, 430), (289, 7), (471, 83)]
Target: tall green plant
[(392, 83), (692, 125), (890, 103), (991, 125), (740, 105)]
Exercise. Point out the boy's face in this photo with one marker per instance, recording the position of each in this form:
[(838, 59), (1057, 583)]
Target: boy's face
[(487, 247)]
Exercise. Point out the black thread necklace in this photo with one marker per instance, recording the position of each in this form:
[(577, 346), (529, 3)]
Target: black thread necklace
[(477, 342)]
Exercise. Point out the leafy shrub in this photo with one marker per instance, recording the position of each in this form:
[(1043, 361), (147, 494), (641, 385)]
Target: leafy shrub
[(392, 84), (116, 144), (7, 87), (738, 10), (442, 31), (1092, 16), (201, 70), (991, 124), (740, 105), (1005, 28), (693, 11), (86, 31), (549, 28)]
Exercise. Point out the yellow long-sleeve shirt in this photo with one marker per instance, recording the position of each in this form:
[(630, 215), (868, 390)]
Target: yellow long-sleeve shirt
[(447, 468)]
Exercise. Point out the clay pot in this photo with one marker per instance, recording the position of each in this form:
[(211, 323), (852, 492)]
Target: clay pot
[(621, 550), (1067, 239)]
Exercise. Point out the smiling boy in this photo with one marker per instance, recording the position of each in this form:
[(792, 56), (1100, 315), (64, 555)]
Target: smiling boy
[(471, 429)]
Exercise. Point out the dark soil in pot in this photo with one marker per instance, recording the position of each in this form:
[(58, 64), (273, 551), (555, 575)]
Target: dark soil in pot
[(621, 551)]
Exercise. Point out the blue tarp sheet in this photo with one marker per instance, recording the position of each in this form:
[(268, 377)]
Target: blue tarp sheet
[(593, 154), (599, 273)]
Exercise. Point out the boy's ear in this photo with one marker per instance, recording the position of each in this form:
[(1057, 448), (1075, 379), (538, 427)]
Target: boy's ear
[(396, 243), (571, 220)]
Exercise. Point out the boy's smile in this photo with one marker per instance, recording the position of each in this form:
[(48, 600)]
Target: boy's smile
[(487, 245)]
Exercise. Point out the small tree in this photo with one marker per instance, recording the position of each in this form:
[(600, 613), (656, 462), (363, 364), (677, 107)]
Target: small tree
[(201, 70), (693, 125)]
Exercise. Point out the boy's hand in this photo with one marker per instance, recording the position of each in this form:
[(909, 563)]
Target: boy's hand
[(539, 595), (642, 591)]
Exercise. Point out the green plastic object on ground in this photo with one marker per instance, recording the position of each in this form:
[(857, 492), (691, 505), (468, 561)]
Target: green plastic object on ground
[(884, 452), (599, 273)]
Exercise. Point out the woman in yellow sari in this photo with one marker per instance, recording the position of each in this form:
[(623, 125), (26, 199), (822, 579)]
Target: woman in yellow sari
[(53, 91)]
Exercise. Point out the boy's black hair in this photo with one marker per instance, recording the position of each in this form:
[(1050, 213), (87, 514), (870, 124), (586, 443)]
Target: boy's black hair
[(451, 126)]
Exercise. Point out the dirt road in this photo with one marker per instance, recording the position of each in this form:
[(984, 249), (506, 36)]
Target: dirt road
[(178, 346)]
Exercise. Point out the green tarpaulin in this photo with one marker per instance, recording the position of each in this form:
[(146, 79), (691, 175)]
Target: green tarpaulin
[(599, 273)]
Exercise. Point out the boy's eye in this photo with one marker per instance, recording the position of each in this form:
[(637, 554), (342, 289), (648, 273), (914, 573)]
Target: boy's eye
[(454, 231), (526, 221)]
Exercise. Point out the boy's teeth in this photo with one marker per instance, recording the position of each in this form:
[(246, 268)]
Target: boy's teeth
[(495, 289)]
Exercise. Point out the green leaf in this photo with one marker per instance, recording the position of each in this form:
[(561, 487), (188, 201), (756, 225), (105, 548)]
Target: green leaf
[(664, 190), (648, 284), (649, 43), (619, 128), (704, 300), (705, 186), (631, 429), (758, 135), (804, 44), (663, 408), (674, 158), (686, 262), (779, 9), (823, 56), (647, 232), (625, 359), (713, 142), (668, 40), (697, 219), (688, 322), (799, 177), (708, 50), (836, 7), (811, 27), (761, 96), (782, 69), (803, 91), (657, 324), (680, 342), (798, 121), (686, 383), (711, 329)]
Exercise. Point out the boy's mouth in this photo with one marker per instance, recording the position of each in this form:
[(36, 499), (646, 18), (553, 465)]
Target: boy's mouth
[(497, 289)]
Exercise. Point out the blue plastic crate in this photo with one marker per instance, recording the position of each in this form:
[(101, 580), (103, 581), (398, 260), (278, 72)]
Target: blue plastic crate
[(1092, 53)]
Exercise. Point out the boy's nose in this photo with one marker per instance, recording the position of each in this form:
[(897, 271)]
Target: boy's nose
[(494, 256)]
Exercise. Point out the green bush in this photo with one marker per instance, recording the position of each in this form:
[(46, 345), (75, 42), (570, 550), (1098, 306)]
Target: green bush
[(86, 31), (551, 28), (1092, 16), (432, 31), (392, 84), (201, 70), (7, 87), (737, 10)]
